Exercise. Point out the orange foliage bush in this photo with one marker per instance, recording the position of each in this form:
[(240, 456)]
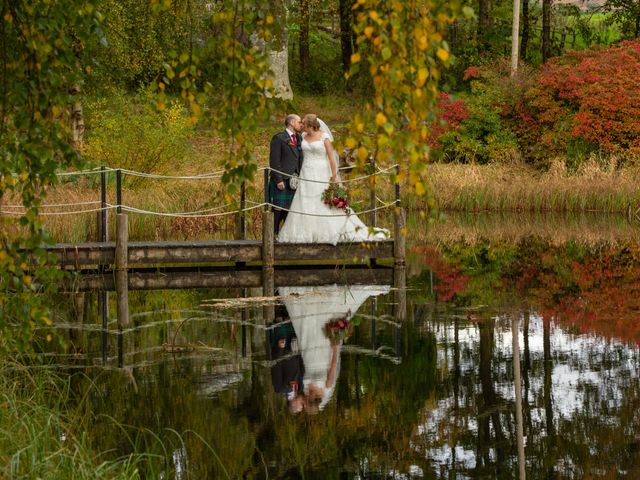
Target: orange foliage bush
[(590, 96)]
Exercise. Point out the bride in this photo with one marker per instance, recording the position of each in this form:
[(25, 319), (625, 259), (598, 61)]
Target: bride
[(310, 308), (309, 219)]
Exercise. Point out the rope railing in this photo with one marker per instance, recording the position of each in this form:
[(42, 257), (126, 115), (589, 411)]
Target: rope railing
[(19, 210), (57, 205), (349, 180), (202, 176), (126, 208), (198, 213), (92, 171), (73, 212)]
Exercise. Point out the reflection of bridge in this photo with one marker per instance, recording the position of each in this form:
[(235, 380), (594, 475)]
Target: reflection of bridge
[(214, 264), (121, 265)]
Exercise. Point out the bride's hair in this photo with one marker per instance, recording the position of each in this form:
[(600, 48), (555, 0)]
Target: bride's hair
[(311, 120)]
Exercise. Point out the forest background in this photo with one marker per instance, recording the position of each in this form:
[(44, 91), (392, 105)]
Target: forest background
[(183, 88), (178, 87)]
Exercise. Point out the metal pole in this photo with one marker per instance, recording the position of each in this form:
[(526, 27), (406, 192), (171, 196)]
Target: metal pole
[(103, 202), (119, 190)]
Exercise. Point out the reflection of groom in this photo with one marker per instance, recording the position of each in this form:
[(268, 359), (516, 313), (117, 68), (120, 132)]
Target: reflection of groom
[(287, 373), (285, 156)]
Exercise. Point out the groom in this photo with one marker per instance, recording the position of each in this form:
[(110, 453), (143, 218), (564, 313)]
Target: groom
[(285, 156)]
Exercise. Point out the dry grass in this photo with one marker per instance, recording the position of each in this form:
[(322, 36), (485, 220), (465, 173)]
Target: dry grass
[(599, 186), (595, 187)]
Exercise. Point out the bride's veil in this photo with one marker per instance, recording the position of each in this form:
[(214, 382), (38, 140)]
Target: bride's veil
[(327, 131)]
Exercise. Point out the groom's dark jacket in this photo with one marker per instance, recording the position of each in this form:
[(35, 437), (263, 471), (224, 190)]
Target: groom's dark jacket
[(284, 156)]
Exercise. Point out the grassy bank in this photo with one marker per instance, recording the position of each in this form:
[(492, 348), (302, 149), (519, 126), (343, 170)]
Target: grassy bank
[(166, 145), (459, 188), (517, 188), (41, 438)]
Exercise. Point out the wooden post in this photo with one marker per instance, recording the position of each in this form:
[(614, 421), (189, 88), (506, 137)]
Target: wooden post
[(103, 204), (122, 274), (268, 282), (241, 218), (399, 266), (372, 195)]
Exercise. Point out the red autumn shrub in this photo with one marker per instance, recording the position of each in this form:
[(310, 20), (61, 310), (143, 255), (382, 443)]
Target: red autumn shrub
[(451, 113), (472, 72), (591, 96)]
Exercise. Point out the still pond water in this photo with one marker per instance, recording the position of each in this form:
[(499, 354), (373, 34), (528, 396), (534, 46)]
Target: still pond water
[(207, 387)]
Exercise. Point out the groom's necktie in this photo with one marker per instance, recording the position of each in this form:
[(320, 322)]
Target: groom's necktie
[(295, 139)]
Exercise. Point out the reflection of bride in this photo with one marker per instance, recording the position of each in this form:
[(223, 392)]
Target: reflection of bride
[(309, 219), (310, 308)]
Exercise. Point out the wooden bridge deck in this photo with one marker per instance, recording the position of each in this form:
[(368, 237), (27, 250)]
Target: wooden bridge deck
[(86, 255), (222, 264), (203, 277)]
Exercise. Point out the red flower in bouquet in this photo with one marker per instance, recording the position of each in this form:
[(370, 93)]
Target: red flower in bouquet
[(335, 196), (338, 329)]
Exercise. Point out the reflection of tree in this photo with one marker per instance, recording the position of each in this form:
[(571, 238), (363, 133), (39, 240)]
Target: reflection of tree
[(547, 389), (488, 412), (368, 427), (450, 390)]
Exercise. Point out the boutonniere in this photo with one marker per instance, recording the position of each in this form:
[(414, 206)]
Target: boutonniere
[(290, 143)]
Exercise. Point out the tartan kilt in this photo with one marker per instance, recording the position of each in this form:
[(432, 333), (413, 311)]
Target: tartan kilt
[(280, 198)]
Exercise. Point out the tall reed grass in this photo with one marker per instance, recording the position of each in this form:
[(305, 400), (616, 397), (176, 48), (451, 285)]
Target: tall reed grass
[(40, 437), (500, 188), (597, 187)]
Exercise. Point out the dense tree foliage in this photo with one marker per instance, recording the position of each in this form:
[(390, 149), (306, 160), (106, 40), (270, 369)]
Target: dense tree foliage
[(41, 45)]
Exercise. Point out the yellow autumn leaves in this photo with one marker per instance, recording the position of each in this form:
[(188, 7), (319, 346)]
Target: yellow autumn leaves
[(403, 45)]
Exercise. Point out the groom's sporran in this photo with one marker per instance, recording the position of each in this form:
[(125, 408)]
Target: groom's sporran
[(285, 160)]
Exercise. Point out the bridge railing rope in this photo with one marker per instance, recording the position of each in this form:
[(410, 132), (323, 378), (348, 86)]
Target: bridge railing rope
[(82, 207)]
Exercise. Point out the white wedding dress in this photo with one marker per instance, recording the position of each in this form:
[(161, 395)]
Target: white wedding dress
[(310, 308), (309, 219)]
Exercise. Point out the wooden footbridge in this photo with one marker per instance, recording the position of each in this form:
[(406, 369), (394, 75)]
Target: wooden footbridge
[(122, 265)]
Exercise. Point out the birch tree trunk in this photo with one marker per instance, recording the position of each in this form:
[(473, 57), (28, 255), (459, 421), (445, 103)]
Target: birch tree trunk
[(279, 51), (515, 36), (76, 120)]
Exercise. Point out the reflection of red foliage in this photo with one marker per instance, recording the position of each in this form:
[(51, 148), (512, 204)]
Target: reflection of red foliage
[(450, 280), (599, 294), (609, 299)]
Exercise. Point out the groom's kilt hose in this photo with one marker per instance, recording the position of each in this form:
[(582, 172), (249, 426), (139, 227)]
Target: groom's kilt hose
[(280, 198)]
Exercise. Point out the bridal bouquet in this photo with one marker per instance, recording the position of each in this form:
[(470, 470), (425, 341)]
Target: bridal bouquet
[(338, 329), (336, 196)]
